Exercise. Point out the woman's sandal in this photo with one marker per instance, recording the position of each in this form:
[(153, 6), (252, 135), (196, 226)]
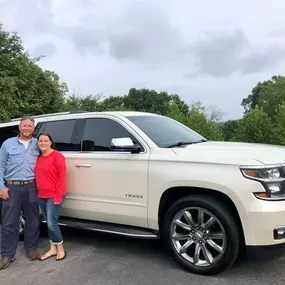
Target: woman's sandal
[(58, 259), (43, 259)]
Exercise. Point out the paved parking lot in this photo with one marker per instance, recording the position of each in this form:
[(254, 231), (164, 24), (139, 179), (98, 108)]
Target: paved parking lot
[(103, 259)]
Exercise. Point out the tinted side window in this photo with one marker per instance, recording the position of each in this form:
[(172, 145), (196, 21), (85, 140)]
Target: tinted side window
[(62, 133), (39, 129), (8, 132), (98, 134)]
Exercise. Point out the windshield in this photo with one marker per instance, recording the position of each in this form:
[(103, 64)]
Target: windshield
[(164, 131)]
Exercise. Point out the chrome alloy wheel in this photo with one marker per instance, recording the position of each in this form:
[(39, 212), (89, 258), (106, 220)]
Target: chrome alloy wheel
[(21, 224), (198, 236)]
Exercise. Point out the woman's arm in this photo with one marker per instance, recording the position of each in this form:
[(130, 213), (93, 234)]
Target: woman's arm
[(60, 165)]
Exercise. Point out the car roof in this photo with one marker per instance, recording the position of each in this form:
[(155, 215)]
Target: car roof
[(76, 114)]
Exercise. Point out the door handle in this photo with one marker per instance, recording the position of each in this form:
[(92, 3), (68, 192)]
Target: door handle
[(83, 165)]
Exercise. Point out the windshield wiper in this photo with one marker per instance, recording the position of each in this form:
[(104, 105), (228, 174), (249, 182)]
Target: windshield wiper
[(181, 143)]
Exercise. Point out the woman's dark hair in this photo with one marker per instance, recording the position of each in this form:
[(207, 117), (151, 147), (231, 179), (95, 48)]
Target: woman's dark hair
[(50, 138)]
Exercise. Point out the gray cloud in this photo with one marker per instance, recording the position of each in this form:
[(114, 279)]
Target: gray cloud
[(279, 33), (219, 54), (230, 53), (86, 40), (44, 49), (37, 18), (143, 32)]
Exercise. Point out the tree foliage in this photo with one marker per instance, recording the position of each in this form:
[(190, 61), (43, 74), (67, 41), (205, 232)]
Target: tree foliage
[(197, 121), (228, 128), (279, 126), (267, 95), (255, 127), (24, 87), (89, 103)]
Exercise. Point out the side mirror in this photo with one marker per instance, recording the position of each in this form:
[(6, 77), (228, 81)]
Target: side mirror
[(124, 144)]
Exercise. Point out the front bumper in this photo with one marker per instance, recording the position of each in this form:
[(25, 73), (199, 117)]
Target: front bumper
[(263, 222)]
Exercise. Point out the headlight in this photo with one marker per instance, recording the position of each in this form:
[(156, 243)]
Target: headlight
[(272, 178)]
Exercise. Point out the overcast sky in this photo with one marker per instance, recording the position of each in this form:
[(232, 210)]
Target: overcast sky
[(212, 51)]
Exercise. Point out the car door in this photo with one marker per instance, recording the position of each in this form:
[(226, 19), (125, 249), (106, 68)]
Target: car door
[(106, 185)]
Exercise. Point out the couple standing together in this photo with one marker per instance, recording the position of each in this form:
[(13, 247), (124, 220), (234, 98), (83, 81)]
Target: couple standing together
[(32, 176)]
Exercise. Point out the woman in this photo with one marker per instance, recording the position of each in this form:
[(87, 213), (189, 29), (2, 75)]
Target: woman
[(50, 172)]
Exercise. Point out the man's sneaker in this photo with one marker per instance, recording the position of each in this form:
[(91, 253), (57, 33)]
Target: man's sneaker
[(5, 261), (33, 254)]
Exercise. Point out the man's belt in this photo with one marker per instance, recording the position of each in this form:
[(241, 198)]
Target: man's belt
[(18, 182)]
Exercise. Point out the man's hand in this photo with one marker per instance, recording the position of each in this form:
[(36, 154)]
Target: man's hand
[(4, 194)]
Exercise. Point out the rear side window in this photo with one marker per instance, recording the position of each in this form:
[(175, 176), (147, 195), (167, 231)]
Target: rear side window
[(62, 132), (8, 132), (38, 129), (99, 132)]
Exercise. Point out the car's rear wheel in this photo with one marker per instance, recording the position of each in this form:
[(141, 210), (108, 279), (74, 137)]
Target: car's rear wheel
[(202, 234), (43, 230)]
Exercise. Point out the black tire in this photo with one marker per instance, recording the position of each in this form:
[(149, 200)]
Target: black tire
[(225, 218)]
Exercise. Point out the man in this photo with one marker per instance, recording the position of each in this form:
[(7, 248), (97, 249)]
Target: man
[(18, 157)]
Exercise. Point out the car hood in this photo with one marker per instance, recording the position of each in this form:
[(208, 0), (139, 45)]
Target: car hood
[(232, 153)]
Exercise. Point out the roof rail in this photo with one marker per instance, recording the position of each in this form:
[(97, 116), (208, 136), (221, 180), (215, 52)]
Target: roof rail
[(48, 115)]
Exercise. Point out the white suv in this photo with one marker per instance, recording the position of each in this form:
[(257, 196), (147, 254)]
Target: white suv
[(148, 176)]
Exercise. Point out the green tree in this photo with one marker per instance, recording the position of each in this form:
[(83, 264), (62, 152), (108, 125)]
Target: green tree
[(7, 98), (197, 121), (255, 127), (145, 100), (10, 43), (114, 103), (25, 87), (89, 103), (267, 95), (176, 114), (229, 129), (181, 105), (279, 126), (251, 101)]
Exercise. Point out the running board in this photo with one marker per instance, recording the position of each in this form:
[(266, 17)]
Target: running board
[(114, 229)]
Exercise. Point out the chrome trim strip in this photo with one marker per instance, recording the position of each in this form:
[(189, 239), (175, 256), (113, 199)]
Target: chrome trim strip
[(78, 198), (147, 236)]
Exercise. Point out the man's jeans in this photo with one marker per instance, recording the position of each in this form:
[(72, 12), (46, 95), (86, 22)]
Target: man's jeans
[(51, 213), (21, 198)]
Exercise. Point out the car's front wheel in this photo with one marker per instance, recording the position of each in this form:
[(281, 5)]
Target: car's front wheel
[(202, 234), (21, 227)]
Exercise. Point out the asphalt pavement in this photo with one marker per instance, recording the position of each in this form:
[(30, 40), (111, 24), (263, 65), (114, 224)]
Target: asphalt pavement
[(103, 259)]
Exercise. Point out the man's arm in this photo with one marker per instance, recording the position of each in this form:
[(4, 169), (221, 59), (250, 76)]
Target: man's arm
[(60, 165), (3, 164)]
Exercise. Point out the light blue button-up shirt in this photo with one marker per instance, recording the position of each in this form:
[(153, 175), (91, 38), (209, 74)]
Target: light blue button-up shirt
[(16, 161)]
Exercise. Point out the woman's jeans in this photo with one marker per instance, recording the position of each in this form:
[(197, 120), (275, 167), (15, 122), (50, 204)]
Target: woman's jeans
[(51, 213)]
